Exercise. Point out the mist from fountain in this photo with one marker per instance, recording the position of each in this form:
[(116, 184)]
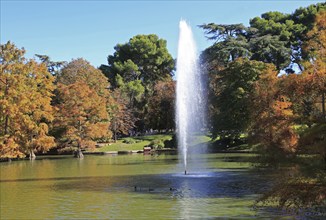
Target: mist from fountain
[(190, 98)]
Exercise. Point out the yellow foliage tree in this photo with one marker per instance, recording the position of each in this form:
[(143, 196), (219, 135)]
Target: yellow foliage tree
[(25, 104), (82, 115)]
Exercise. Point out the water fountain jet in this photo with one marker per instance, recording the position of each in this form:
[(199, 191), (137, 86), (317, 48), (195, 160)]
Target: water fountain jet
[(189, 92)]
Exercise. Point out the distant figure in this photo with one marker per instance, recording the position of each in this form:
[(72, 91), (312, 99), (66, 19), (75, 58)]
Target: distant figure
[(185, 172)]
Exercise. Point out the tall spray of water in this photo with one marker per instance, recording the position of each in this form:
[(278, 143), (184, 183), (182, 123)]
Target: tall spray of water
[(189, 101)]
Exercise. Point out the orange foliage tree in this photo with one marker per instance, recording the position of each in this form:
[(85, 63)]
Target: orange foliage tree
[(83, 105), (315, 69), (307, 90), (314, 138), (25, 104), (161, 104), (300, 188), (82, 115), (272, 124)]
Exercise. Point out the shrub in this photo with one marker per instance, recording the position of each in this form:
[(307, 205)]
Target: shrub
[(171, 143), (156, 144)]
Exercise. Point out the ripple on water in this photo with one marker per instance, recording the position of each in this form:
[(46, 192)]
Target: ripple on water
[(197, 175)]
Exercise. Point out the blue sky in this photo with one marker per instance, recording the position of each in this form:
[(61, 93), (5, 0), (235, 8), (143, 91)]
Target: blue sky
[(66, 30)]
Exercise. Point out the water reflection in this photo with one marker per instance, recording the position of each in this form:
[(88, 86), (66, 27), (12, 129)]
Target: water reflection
[(134, 186)]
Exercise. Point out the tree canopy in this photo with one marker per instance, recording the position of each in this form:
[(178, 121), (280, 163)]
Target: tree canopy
[(25, 104), (274, 37), (144, 57), (84, 105), (134, 70)]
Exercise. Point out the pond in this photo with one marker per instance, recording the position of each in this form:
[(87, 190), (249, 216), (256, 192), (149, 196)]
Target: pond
[(134, 187)]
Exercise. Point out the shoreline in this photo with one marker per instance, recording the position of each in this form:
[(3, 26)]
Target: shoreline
[(124, 152)]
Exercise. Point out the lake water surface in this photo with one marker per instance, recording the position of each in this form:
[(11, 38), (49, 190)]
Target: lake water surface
[(133, 187)]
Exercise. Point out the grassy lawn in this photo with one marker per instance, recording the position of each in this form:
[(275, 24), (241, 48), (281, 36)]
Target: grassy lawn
[(200, 139), (139, 143)]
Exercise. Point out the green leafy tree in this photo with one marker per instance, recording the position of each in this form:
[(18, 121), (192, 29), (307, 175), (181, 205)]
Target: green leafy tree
[(135, 68), (144, 57), (132, 90), (230, 43), (53, 67), (270, 49), (272, 38), (290, 29), (231, 91)]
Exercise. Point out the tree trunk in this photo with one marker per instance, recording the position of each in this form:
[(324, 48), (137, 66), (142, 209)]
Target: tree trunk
[(300, 67), (7, 116), (31, 154), (79, 153), (115, 131), (323, 105), (6, 125), (31, 150)]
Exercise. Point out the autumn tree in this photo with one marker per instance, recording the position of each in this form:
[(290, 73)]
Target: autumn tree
[(316, 69), (280, 103), (84, 104), (82, 116), (161, 106), (307, 90), (81, 70), (272, 117), (25, 104), (314, 85)]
